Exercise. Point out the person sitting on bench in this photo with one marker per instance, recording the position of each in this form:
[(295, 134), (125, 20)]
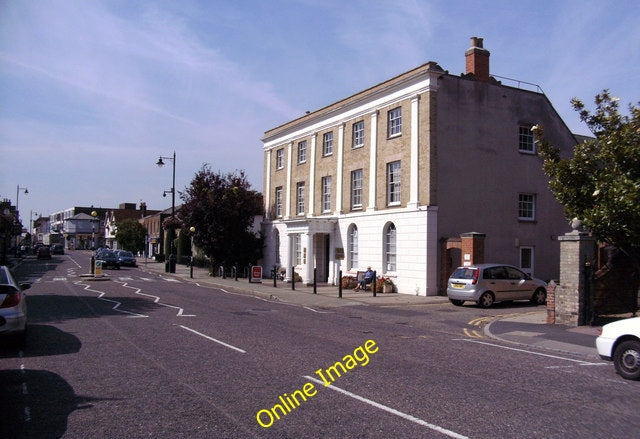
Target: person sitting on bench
[(366, 280)]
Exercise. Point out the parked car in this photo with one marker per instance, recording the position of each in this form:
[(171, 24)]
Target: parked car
[(43, 252), (109, 259), (620, 342), (126, 258), (13, 306), (486, 284), (57, 249)]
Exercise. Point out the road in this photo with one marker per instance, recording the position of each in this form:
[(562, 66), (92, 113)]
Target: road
[(143, 355)]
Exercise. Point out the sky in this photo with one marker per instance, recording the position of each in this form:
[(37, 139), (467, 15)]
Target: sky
[(93, 92)]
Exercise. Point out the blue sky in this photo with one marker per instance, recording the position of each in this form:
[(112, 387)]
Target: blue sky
[(92, 92)]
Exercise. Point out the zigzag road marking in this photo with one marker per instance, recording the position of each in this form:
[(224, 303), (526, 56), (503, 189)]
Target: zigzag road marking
[(116, 307), (156, 300)]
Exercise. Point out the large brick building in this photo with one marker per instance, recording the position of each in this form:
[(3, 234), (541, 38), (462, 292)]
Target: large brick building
[(394, 175)]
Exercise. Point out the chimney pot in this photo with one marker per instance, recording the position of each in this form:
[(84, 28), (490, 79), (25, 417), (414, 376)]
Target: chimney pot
[(477, 60)]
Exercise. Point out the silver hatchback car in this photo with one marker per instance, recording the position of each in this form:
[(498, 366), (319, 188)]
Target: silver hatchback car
[(489, 283), (13, 307)]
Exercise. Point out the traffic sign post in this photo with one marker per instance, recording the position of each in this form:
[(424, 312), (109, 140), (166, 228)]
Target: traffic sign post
[(256, 274)]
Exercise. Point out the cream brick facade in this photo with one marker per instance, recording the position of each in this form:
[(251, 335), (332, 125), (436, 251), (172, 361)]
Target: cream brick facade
[(461, 171)]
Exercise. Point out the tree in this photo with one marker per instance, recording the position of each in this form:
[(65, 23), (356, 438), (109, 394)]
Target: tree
[(222, 210), (600, 184), (131, 235)]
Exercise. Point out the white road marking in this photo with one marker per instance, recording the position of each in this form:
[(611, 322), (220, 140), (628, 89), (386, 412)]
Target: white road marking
[(116, 307), (529, 352), (156, 300), (213, 339), (170, 279), (391, 410)]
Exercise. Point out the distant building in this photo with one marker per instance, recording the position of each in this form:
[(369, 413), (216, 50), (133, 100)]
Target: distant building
[(126, 211), (393, 176), (88, 227), (155, 233)]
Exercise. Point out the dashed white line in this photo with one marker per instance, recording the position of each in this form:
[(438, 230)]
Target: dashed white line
[(391, 410), (213, 339)]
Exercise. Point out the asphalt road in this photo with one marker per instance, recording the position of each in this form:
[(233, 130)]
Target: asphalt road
[(143, 355)]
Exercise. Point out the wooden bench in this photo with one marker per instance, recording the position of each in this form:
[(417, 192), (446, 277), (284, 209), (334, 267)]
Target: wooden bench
[(360, 277)]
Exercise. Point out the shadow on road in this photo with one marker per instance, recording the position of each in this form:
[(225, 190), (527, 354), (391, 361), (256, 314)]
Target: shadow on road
[(43, 340), (37, 404)]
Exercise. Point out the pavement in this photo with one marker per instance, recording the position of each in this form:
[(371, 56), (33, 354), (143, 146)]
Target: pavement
[(525, 329)]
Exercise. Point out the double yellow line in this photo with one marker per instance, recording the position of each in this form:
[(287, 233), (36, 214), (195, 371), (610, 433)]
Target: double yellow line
[(478, 323), (481, 321)]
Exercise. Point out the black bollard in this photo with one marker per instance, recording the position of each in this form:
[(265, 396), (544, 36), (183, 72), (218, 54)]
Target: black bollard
[(374, 283), (275, 273), (340, 284), (315, 284), (293, 278)]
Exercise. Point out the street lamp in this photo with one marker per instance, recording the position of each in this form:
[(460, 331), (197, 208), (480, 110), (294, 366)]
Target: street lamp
[(193, 231), (26, 191), (31, 225), (160, 163)]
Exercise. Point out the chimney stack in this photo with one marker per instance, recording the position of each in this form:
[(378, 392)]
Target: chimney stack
[(477, 59)]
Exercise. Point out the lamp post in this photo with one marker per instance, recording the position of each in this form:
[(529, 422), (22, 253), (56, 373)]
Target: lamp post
[(26, 191), (31, 213), (192, 230), (160, 163), (94, 215)]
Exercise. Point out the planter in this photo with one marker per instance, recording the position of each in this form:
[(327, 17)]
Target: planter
[(387, 288)]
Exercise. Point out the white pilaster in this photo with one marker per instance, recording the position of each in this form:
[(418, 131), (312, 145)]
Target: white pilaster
[(267, 189), (311, 257), (415, 150), (312, 176), (373, 152), (338, 205), (287, 199)]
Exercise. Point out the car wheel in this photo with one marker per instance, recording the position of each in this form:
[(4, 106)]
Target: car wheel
[(539, 297), (626, 359), (486, 300), (456, 302)]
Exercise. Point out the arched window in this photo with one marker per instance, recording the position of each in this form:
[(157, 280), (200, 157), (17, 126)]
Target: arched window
[(352, 247), (390, 247)]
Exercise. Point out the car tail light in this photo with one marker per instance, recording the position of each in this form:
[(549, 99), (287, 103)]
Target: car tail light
[(476, 274), (11, 300)]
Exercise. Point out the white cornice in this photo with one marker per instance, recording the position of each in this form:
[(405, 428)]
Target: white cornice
[(360, 107)]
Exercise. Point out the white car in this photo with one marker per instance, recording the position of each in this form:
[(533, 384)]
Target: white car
[(13, 306), (620, 343)]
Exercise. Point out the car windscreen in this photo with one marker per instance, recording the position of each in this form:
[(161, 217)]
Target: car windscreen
[(463, 273)]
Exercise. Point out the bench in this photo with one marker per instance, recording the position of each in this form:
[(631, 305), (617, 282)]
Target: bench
[(360, 276)]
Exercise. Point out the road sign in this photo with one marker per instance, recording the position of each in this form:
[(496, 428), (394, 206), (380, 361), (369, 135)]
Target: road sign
[(256, 274)]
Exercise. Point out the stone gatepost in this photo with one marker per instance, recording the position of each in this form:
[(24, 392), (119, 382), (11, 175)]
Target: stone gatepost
[(576, 249)]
